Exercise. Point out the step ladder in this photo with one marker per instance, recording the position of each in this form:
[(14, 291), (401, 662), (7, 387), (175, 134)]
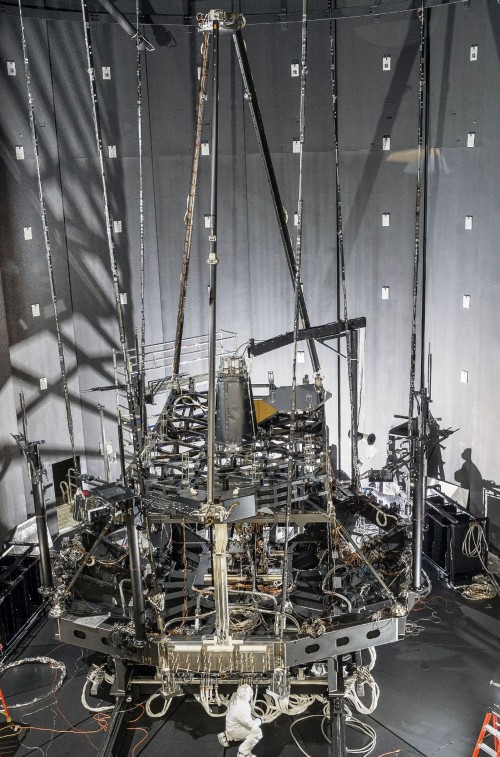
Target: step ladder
[(489, 729)]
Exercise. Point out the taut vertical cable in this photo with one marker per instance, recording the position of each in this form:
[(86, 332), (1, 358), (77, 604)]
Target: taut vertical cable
[(109, 234), (296, 314), (48, 252), (341, 279), (141, 366)]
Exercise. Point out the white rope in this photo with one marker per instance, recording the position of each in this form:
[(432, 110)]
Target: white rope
[(167, 701), (475, 545)]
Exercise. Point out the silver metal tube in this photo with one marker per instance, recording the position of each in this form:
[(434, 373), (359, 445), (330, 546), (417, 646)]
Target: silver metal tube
[(221, 596)]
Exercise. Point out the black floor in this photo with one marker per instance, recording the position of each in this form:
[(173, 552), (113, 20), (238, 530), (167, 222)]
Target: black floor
[(434, 693)]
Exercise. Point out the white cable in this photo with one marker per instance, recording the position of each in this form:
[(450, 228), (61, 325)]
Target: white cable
[(88, 706), (166, 704), (474, 544)]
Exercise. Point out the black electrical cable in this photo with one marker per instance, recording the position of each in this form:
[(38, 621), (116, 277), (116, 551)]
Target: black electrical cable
[(296, 317), (109, 233)]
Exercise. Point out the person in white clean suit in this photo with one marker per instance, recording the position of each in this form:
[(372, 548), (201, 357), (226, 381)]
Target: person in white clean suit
[(240, 724)]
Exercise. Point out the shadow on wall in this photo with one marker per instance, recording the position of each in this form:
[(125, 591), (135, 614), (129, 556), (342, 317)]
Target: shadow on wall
[(469, 477), (484, 496)]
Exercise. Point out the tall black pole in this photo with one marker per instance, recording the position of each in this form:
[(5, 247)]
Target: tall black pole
[(281, 216), (135, 573), (213, 262), (36, 473), (417, 473)]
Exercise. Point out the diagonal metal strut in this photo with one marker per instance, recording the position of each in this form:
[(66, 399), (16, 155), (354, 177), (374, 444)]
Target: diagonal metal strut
[(251, 97)]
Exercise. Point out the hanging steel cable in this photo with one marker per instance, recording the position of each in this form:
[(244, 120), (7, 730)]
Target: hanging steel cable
[(351, 361), (296, 314), (141, 347), (48, 252), (188, 218), (140, 47), (109, 234)]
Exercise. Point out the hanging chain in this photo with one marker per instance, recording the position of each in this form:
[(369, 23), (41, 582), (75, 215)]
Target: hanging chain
[(341, 256), (189, 217), (416, 256), (48, 252), (109, 233), (296, 316)]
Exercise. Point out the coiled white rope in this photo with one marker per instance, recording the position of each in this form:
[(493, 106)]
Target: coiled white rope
[(56, 664)]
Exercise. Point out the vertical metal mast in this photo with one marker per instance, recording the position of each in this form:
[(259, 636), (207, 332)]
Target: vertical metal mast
[(215, 511), (213, 262), (417, 452)]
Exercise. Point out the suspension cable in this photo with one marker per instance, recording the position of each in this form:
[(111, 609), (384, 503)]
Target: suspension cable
[(296, 316), (140, 47), (109, 234), (341, 259), (48, 252), (416, 255), (189, 217)]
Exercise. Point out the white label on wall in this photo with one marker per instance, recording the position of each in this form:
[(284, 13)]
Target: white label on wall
[(111, 151), (35, 311), (295, 219), (205, 148), (19, 152), (471, 139), (385, 293), (43, 383), (295, 69), (468, 222), (28, 234), (207, 220), (296, 145), (466, 301), (473, 52), (123, 298), (117, 227), (464, 377), (11, 68), (386, 143), (386, 219), (386, 63), (106, 72), (301, 357)]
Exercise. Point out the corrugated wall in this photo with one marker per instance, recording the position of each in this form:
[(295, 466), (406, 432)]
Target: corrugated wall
[(255, 292)]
